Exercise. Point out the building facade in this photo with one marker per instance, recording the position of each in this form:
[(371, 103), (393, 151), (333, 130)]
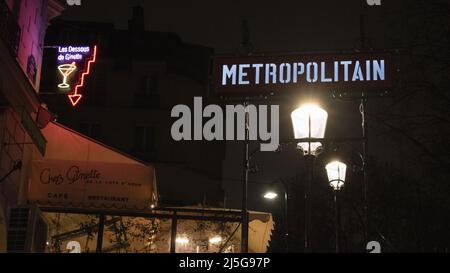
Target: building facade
[(22, 30)]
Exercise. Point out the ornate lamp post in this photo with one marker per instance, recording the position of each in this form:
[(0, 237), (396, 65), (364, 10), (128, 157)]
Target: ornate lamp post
[(336, 172), (309, 122)]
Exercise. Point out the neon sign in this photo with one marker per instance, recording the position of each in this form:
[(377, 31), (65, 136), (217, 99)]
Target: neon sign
[(66, 70), (69, 59), (70, 53), (75, 97)]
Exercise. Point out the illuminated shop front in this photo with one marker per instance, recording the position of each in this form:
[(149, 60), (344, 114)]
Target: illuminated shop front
[(176, 230), (96, 199)]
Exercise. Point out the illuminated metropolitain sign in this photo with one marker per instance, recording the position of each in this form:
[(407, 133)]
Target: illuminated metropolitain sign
[(311, 72), (281, 73)]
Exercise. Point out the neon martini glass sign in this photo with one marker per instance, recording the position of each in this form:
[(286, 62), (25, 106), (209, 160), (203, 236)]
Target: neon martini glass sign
[(69, 59), (66, 70)]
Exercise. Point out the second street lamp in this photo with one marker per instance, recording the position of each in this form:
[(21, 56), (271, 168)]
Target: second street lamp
[(336, 172), (309, 122)]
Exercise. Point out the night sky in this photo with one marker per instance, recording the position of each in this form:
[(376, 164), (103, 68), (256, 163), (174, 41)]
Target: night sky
[(274, 26)]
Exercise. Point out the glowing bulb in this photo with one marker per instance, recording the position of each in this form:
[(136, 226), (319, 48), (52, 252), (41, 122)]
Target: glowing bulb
[(215, 240), (336, 174), (309, 121), (270, 195)]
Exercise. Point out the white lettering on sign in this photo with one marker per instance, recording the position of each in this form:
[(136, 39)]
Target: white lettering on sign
[(373, 2), (229, 73), (73, 247), (71, 53), (73, 2), (311, 72), (374, 247)]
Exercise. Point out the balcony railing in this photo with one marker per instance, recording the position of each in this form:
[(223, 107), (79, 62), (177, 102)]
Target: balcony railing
[(9, 29)]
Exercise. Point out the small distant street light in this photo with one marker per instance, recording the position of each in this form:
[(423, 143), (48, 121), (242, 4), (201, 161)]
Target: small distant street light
[(272, 194), (309, 122), (336, 172)]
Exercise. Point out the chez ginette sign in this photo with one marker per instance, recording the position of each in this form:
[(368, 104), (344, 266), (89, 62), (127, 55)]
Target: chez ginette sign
[(284, 73), (76, 184)]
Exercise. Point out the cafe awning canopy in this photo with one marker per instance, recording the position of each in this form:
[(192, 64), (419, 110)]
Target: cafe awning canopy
[(78, 172)]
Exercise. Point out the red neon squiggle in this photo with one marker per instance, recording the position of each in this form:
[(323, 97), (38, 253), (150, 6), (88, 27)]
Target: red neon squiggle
[(75, 97)]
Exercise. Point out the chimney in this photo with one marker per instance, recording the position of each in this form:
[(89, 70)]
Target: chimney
[(137, 22)]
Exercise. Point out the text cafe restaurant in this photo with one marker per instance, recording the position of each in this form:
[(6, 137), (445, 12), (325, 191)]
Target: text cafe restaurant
[(82, 196)]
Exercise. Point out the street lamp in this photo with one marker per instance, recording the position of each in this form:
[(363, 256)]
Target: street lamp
[(272, 194), (336, 172), (309, 122)]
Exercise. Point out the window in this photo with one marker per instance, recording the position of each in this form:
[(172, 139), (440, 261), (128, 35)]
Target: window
[(149, 85), (144, 139), (146, 94), (31, 68)]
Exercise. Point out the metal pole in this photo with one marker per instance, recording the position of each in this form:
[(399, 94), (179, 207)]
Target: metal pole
[(173, 236), (309, 166), (101, 228), (336, 220), (309, 169), (286, 219), (365, 136), (365, 155), (244, 237)]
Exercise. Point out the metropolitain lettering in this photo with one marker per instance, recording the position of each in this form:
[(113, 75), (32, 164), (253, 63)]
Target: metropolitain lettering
[(309, 72)]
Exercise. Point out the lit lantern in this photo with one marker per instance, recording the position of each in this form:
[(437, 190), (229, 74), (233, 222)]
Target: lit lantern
[(271, 195), (309, 121), (336, 174)]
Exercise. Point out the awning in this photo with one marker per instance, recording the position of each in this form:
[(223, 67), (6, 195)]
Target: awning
[(261, 225), (78, 172)]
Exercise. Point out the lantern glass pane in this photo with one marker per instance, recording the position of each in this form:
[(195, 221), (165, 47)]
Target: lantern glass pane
[(336, 172), (309, 121)]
